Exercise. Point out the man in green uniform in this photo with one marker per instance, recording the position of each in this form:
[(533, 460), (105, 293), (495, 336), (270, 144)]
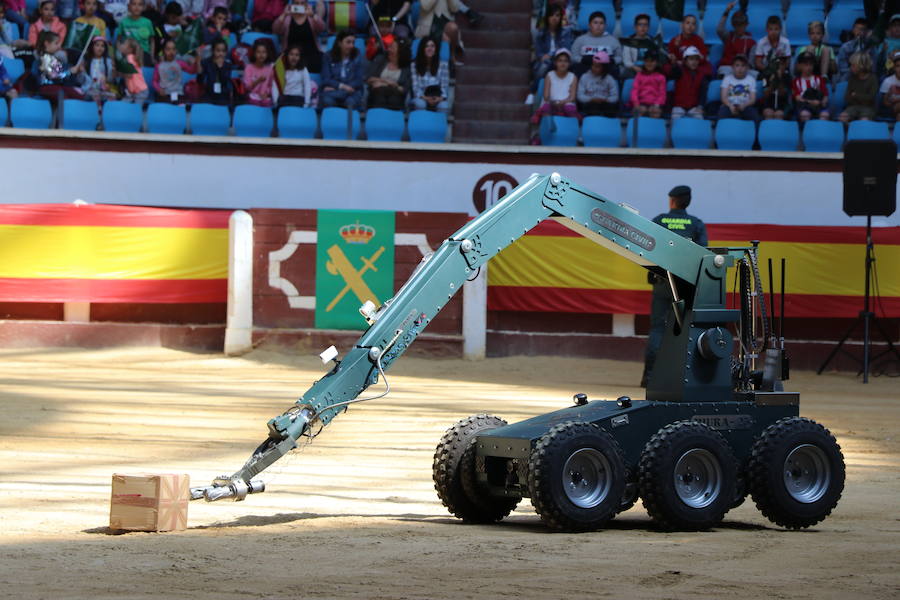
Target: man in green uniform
[(685, 225)]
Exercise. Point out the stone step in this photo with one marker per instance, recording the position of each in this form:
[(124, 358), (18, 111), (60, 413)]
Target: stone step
[(498, 21), (492, 57), (516, 131), (481, 75), (483, 38), (492, 93), (504, 6), (492, 111)]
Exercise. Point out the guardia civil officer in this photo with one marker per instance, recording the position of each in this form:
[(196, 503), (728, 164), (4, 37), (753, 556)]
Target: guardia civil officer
[(679, 221)]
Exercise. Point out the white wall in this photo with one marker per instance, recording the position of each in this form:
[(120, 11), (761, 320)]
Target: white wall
[(720, 196)]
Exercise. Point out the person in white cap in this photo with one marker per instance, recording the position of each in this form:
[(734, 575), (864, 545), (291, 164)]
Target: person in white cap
[(890, 89), (690, 84), (598, 91), (560, 85), (891, 43)]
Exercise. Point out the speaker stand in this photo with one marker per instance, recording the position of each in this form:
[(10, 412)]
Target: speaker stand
[(865, 317)]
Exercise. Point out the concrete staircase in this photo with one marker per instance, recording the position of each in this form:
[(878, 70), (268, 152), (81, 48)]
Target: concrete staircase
[(492, 85)]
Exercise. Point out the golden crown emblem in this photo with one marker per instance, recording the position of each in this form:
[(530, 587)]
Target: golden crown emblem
[(357, 234)]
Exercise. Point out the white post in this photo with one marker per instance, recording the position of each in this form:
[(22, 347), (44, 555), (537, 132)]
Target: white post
[(623, 325), (474, 325), (239, 328), (77, 311)]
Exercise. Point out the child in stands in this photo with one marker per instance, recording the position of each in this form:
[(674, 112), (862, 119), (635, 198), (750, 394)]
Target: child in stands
[(214, 74), (210, 6), (547, 40), (135, 85), (810, 91), (175, 22), (47, 21), (139, 28), (686, 39), (293, 85), (430, 78), (860, 42), (891, 43), (648, 93), (739, 92), (6, 84), (217, 26), (773, 45), (258, 76), (890, 89), (635, 47), (596, 39), (99, 72), (90, 17), (168, 78), (690, 86), (861, 90), (598, 91), (777, 90), (53, 67), (738, 41), (824, 56), (560, 87), (15, 13)]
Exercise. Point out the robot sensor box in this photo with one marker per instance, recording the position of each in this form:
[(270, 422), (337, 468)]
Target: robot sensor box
[(152, 502)]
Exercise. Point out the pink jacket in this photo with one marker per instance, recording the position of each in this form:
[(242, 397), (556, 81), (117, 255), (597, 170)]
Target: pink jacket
[(267, 9), (56, 26), (648, 88)]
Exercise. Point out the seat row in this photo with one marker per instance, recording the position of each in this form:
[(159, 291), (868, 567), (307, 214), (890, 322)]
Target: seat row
[(698, 134), (333, 123)]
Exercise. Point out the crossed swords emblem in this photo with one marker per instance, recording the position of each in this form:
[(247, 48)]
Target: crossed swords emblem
[(339, 264)]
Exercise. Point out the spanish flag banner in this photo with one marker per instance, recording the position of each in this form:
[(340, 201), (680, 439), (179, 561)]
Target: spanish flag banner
[(344, 15), (553, 269), (106, 253)]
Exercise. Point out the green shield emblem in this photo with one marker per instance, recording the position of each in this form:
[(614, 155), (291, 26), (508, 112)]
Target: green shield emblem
[(354, 263)]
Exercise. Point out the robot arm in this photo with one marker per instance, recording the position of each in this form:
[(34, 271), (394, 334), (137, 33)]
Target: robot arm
[(400, 320)]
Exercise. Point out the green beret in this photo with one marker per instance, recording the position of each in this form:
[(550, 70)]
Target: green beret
[(679, 191)]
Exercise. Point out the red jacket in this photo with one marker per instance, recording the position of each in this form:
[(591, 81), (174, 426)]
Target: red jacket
[(680, 43), (688, 85)]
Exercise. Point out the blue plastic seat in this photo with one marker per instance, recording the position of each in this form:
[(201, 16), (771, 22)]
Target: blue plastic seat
[(79, 115), (251, 36), (715, 54), (691, 134), (298, 123), (632, 9), (209, 119), (603, 132), (714, 91), (443, 51), (868, 130), (669, 28), (559, 131), (14, 68), (427, 126), (121, 116), (253, 121), (735, 134), (897, 135), (33, 113), (335, 123), (836, 99), (166, 118), (796, 27), (841, 17), (626, 90), (148, 77), (384, 125), (4, 113), (651, 133), (589, 6), (823, 136), (779, 135)]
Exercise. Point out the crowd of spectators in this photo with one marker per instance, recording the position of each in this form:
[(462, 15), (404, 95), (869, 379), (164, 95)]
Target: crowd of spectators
[(763, 76), (274, 53)]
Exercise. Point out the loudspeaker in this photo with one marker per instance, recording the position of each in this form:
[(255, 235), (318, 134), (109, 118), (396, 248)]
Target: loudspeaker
[(870, 177)]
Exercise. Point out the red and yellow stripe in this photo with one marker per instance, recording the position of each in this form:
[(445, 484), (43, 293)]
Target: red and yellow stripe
[(103, 253), (553, 269)]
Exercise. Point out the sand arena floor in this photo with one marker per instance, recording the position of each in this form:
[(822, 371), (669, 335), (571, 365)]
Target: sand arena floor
[(355, 515)]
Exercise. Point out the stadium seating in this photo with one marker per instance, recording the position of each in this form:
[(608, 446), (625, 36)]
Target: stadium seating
[(79, 115), (779, 135), (841, 18), (297, 123), (335, 124), (867, 130), (209, 119), (253, 121), (251, 36), (693, 134), (124, 117), (633, 8), (383, 125), (166, 118), (836, 99), (714, 91), (443, 51), (897, 135), (735, 134), (651, 133), (799, 17), (32, 113), (670, 28), (559, 131), (715, 54), (823, 136), (427, 126), (148, 77), (14, 68), (603, 132), (626, 90), (589, 6), (4, 113)]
